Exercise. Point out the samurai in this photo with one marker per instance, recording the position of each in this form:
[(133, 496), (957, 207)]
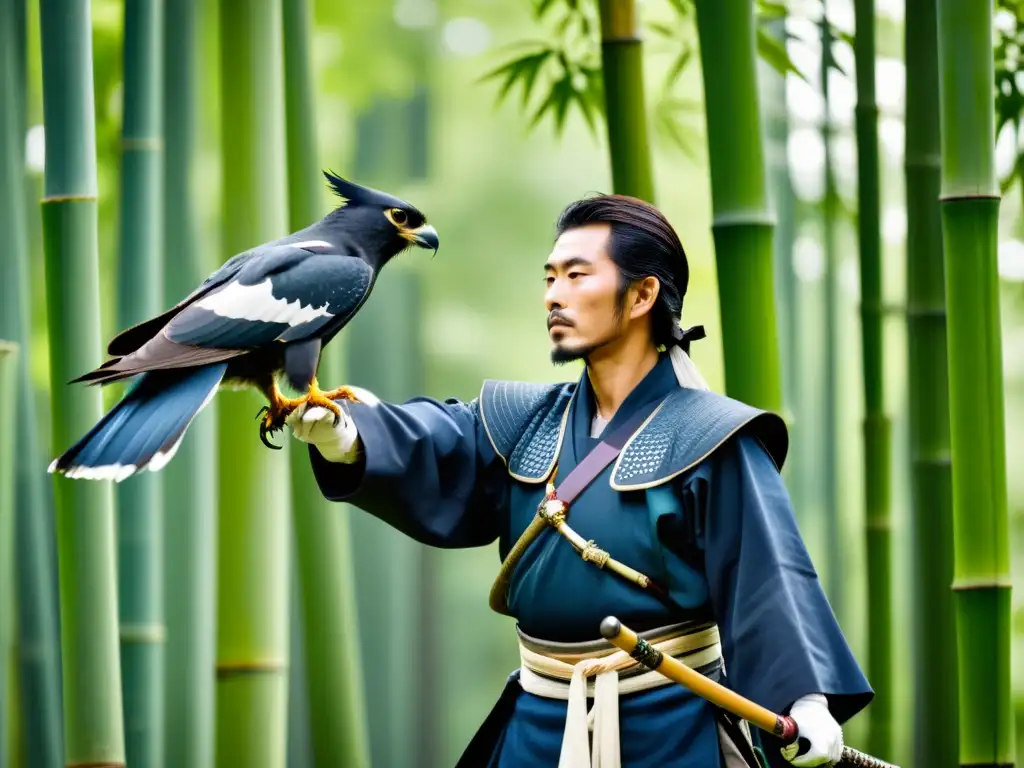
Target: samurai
[(632, 491)]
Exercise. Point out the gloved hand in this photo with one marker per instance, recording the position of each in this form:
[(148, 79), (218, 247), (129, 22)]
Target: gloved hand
[(817, 727), (336, 442)]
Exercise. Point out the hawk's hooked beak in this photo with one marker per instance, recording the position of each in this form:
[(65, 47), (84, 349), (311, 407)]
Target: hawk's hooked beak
[(424, 236)]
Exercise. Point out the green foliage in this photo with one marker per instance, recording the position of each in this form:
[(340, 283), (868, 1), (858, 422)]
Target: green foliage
[(1009, 99), (570, 60), (562, 70)]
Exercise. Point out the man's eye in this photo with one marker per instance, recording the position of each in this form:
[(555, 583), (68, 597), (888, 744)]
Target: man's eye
[(574, 275)]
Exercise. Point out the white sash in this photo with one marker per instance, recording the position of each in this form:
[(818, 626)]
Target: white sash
[(556, 678)]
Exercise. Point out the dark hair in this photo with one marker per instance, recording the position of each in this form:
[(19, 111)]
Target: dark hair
[(642, 243)]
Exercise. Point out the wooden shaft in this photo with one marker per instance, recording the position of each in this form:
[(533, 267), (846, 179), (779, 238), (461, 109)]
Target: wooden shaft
[(782, 726), (626, 639)]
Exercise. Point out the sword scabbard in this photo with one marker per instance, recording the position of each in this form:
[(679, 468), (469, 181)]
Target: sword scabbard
[(781, 726)]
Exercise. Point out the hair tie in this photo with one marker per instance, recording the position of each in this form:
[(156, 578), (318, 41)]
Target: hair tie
[(684, 337)]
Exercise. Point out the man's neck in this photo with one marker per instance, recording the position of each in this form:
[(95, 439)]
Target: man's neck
[(613, 376)]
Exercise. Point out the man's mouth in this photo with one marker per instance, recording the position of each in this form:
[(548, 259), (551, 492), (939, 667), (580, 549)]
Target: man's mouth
[(558, 322)]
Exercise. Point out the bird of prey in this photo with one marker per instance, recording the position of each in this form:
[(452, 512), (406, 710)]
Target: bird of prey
[(267, 311)]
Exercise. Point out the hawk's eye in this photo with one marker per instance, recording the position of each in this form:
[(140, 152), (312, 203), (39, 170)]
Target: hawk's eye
[(399, 217)]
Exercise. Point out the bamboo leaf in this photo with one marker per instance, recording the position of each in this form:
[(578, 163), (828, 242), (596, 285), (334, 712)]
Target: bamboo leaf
[(541, 7), (530, 71), (769, 10), (563, 92), (524, 69), (663, 29), (833, 63), (774, 53), (510, 66), (588, 96), (682, 7), (678, 66), (562, 27)]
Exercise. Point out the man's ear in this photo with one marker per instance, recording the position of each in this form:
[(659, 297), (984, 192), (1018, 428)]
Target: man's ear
[(645, 293)]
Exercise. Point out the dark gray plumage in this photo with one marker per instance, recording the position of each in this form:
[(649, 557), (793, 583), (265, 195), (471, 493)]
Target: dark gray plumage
[(267, 311)]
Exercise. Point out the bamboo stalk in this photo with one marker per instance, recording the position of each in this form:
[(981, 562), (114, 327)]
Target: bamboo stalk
[(970, 212), (389, 563), (877, 425), (743, 224), (8, 400), (300, 737), (934, 635), (139, 507), (786, 286), (324, 558), (190, 481), (836, 556), (253, 557), (36, 621), (93, 727), (625, 108)]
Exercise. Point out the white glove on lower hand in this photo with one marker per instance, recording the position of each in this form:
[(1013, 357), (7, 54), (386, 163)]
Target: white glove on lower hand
[(336, 442), (816, 726)]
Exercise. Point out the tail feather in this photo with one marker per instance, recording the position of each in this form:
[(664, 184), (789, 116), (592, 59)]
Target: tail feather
[(144, 430), (103, 374)]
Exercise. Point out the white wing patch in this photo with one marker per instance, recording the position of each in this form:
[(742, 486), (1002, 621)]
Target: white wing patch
[(257, 302), (314, 244)]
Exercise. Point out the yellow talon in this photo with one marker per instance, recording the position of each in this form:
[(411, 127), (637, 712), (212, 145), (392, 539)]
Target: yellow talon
[(281, 407)]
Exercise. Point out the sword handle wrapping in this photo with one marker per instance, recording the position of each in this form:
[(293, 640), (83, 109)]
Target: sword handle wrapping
[(785, 729), (851, 757)]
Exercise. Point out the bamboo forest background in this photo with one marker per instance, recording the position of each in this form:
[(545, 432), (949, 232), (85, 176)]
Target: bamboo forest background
[(210, 123)]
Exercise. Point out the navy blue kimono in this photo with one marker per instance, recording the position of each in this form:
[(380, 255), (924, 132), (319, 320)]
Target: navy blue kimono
[(695, 501)]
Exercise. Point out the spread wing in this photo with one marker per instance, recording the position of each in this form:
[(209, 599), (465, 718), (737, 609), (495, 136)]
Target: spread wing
[(281, 293)]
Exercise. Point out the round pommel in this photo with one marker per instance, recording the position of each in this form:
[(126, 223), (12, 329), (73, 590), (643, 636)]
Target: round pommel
[(610, 627), (786, 729)]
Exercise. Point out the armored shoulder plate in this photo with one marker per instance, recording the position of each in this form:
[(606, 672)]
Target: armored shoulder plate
[(686, 429), (525, 423)]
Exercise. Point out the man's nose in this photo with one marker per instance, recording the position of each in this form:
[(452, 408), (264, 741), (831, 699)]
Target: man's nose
[(553, 296)]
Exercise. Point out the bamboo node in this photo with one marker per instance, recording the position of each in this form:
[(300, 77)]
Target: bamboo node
[(622, 39), (742, 219), (969, 196), (969, 585), (69, 199), (130, 142), (926, 313), (142, 633), (239, 668)]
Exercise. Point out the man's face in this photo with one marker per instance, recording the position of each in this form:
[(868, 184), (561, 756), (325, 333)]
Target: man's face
[(582, 297)]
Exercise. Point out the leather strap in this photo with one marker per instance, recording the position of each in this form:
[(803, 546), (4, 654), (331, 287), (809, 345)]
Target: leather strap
[(584, 473), (603, 454)]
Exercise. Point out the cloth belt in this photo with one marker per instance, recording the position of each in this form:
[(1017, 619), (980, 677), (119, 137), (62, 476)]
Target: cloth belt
[(561, 671)]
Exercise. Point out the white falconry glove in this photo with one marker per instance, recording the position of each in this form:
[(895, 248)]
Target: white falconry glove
[(339, 442), (815, 725)]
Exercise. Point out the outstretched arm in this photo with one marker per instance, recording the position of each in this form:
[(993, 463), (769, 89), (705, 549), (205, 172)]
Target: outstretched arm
[(424, 467)]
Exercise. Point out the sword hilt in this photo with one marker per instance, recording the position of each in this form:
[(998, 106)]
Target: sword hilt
[(852, 757), (787, 731)]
